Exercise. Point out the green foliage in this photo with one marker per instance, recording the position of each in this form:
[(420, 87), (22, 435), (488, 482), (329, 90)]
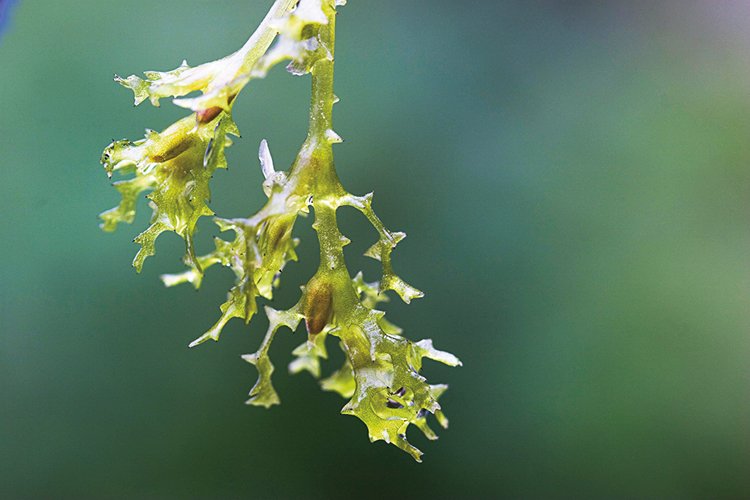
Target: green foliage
[(381, 372), (176, 166)]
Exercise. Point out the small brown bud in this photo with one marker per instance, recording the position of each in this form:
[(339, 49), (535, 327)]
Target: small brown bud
[(206, 115), (318, 306)]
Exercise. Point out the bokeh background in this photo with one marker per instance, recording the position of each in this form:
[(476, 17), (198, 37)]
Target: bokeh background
[(574, 178)]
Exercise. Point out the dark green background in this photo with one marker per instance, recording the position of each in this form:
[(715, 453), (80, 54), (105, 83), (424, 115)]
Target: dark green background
[(574, 180)]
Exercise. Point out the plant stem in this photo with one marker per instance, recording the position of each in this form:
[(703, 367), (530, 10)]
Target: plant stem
[(264, 34), (314, 165), (321, 108), (326, 187)]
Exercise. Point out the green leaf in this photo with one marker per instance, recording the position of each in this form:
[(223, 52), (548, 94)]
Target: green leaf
[(370, 295), (176, 165), (383, 248), (257, 256), (219, 81), (390, 393), (263, 393), (341, 381), (309, 354), (299, 41)]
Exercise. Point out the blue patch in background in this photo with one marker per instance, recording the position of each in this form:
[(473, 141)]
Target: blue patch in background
[(5, 8)]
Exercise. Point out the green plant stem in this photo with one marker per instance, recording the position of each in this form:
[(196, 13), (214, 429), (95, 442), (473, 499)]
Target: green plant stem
[(328, 188), (263, 36), (322, 96)]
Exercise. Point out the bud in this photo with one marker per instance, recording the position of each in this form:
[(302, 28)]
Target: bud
[(208, 114), (318, 308)]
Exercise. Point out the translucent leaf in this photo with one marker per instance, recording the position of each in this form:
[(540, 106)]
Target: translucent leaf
[(219, 81), (370, 295), (176, 165), (309, 354), (390, 393), (263, 393), (383, 248), (258, 254), (341, 381), (299, 41)]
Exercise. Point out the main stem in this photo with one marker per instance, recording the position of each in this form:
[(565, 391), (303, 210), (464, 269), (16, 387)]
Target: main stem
[(321, 128), (326, 187), (322, 98)]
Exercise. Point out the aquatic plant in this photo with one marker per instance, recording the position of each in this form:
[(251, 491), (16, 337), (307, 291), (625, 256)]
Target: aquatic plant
[(381, 374)]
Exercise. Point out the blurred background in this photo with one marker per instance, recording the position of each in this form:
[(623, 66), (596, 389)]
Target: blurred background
[(574, 180)]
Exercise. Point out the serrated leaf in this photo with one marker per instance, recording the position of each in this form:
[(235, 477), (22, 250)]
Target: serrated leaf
[(383, 248), (309, 354), (176, 165), (219, 81), (390, 393), (263, 393), (257, 255)]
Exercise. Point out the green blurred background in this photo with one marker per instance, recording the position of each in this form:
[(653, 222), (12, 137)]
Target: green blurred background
[(574, 180)]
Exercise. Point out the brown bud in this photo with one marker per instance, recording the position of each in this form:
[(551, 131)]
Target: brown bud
[(206, 115), (318, 306)]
